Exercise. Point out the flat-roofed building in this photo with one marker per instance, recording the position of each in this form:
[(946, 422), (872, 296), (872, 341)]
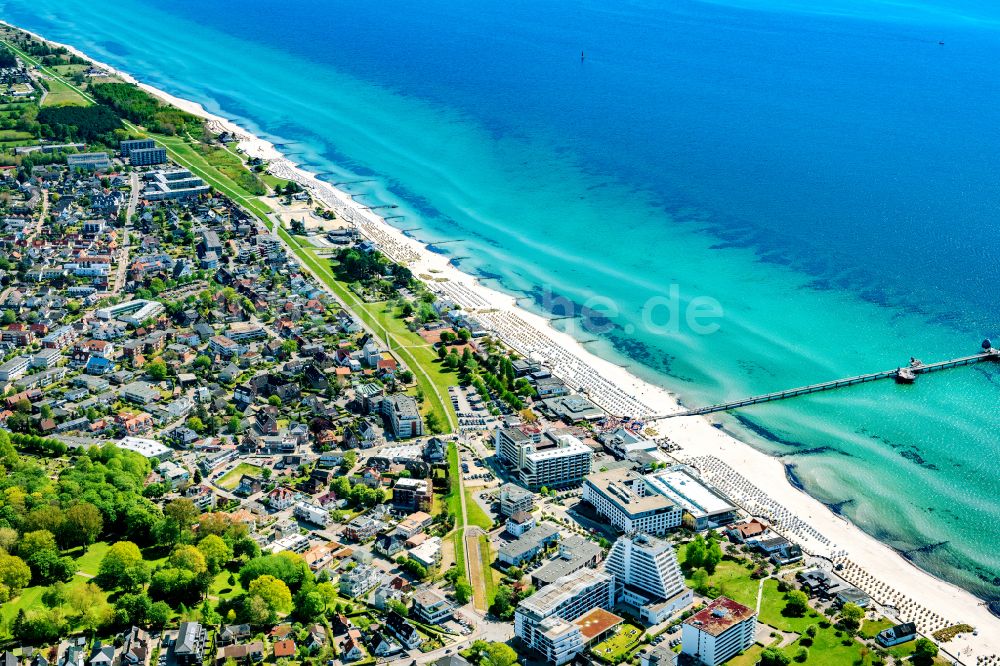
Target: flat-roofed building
[(514, 498), (709, 507), (656, 503), (127, 146), (543, 459), (402, 416), (173, 184), (597, 624), (14, 369), (431, 606), (543, 621), (412, 495), (149, 448), (718, 632), (360, 580), (528, 545), (575, 553), (648, 577), (619, 495), (148, 156), (88, 161)]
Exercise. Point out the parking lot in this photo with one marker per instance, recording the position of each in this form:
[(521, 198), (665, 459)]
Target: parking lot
[(472, 414)]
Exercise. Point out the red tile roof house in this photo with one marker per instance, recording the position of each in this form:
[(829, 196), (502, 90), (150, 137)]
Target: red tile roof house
[(743, 531), (285, 648)]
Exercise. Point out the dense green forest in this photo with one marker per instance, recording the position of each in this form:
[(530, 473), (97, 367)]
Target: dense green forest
[(79, 123), (140, 107)]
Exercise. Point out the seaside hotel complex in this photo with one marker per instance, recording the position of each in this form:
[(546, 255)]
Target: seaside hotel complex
[(656, 503), (544, 621), (543, 459), (647, 577)]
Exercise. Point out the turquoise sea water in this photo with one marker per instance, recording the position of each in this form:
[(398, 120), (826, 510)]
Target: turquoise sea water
[(824, 170)]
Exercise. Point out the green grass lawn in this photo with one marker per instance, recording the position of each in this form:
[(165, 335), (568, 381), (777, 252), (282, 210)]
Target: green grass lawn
[(433, 378), (14, 135), (221, 588), (232, 478), (31, 599), (871, 628), (489, 575), (61, 94), (828, 648), (67, 70), (458, 542), (475, 512), (60, 91), (771, 611), (89, 561), (624, 640), (733, 581), (749, 658), (453, 498)]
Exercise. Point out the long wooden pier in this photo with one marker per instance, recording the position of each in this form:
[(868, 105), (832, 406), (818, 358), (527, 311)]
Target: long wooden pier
[(906, 375)]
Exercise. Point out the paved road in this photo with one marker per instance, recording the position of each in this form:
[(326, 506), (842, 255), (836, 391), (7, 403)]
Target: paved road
[(133, 202)]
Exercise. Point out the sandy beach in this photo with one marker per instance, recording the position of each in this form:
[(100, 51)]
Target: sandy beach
[(752, 479)]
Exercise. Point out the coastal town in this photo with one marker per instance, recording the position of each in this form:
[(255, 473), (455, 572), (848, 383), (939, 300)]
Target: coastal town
[(243, 423)]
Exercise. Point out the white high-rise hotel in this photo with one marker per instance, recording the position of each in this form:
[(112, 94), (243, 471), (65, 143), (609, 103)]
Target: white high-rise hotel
[(648, 577)]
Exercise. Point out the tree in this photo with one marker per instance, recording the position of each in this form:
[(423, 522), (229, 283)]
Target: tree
[(14, 576), (216, 552), (189, 558), (699, 581), (772, 657), (398, 607), (274, 401), (47, 567), (498, 654), (183, 513), (202, 362), (463, 591), (713, 555), (90, 606), (503, 602), (851, 616), (35, 542), (132, 609), (157, 370), (796, 603), (694, 553), (123, 567), (159, 614), (274, 592), (83, 524), (308, 604), (924, 652)]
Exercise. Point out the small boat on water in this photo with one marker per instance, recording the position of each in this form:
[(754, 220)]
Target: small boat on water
[(905, 376)]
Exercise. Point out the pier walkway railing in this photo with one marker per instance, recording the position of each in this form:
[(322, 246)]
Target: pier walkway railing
[(918, 369)]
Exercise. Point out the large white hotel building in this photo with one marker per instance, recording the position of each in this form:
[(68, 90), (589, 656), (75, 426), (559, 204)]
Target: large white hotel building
[(543, 459)]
